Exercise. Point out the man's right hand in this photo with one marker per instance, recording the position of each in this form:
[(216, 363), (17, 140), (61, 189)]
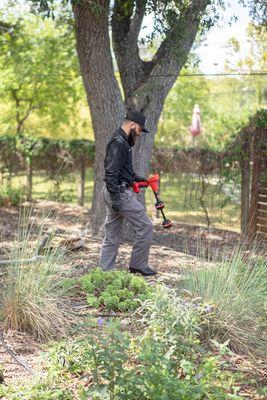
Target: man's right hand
[(116, 205)]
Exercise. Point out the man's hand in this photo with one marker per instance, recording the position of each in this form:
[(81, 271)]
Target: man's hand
[(116, 205), (115, 201)]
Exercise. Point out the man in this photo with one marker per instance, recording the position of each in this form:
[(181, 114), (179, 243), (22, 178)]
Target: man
[(121, 201)]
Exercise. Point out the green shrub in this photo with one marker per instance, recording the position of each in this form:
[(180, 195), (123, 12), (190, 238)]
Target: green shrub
[(69, 284), (171, 321), (92, 301), (236, 291), (114, 290), (10, 196), (164, 363)]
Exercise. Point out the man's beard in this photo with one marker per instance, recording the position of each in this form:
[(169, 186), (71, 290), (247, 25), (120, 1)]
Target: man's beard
[(132, 137)]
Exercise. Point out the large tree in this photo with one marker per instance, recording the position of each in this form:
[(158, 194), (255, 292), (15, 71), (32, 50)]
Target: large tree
[(145, 84)]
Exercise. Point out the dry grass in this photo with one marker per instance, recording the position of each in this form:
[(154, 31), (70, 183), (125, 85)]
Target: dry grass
[(32, 299), (236, 290)]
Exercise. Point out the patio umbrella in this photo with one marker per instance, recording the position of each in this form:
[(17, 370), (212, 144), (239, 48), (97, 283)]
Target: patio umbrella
[(195, 127)]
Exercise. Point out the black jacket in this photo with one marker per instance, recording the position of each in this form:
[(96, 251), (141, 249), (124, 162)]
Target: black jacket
[(118, 164)]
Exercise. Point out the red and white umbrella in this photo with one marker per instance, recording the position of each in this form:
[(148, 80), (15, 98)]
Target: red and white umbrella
[(195, 127)]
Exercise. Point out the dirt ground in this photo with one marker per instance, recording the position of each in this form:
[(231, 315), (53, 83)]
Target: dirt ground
[(172, 252)]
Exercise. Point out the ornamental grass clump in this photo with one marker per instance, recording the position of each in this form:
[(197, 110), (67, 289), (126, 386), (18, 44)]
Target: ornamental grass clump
[(32, 297), (235, 292)]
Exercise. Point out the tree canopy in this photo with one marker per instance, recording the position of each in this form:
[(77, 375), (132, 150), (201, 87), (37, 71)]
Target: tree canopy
[(39, 75)]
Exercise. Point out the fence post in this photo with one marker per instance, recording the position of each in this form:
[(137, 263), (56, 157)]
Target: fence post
[(245, 181), (254, 185)]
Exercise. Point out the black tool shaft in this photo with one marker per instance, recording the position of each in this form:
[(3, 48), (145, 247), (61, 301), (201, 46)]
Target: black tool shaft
[(163, 215), (162, 212), (156, 195)]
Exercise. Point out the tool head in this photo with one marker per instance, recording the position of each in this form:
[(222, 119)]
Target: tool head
[(166, 223), (153, 182)]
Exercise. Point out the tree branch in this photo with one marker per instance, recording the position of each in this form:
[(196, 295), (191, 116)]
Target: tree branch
[(180, 37), (6, 27), (126, 26), (20, 121), (137, 19), (172, 54)]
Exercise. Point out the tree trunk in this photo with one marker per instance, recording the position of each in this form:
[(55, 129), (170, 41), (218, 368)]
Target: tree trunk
[(145, 84), (103, 93), (81, 187), (29, 173)]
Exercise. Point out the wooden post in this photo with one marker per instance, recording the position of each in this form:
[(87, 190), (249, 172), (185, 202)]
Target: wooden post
[(257, 150), (245, 181), (262, 200)]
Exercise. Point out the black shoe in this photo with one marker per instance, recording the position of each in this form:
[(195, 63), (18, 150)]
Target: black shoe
[(144, 271)]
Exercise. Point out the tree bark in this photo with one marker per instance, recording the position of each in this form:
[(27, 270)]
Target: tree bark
[(102, 89), (29, 173), (81, 187)]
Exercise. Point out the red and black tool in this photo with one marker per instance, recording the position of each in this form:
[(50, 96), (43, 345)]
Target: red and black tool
[(153, 182)]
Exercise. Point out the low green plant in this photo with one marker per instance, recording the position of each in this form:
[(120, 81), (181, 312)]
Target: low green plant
[(37, 391), (32, 297), (10, 196), (165, 362), (235, 292), (69, 284), (114, 290), (170, 320)]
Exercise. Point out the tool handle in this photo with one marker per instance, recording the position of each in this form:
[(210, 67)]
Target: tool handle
[(137, 185)]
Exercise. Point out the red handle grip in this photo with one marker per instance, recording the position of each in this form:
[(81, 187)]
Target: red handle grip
[(136, 186), (153, 182)]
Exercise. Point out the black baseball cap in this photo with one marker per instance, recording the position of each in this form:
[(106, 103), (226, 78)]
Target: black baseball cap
[(138, 118)]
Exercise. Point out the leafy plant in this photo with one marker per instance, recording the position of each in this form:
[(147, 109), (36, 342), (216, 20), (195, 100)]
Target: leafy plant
[(114, 290), (164, 362), (10, 196), (154, 366)]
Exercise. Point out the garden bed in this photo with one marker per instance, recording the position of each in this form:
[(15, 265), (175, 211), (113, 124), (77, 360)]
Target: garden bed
[(170, 264)]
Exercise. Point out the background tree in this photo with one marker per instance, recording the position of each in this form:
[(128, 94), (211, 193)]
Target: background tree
[(253, 61), (38, 75), (225, 104)]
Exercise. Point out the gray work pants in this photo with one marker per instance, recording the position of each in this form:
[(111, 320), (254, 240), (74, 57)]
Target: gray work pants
[(133, 211)]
